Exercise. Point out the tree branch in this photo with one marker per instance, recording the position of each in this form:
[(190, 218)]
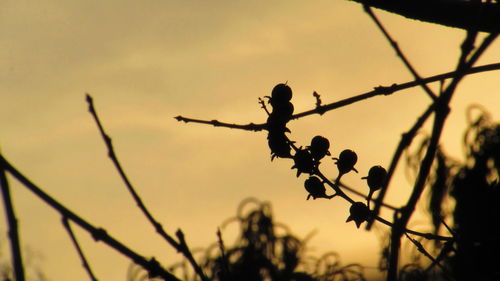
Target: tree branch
[(441, 113), (17, 260), (400, 54), (152, 266), (85, 264), (377, 91), (180, 246)]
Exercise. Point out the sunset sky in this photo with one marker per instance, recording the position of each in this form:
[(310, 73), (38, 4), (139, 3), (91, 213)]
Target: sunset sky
[(145, 62)]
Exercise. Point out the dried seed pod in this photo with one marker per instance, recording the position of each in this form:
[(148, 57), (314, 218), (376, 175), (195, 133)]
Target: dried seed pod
[(315, 187), (283, 111), (279, 145), (358, 213), (346, 161), (319, 147), (303, 162), (376, 179), (280, 94)]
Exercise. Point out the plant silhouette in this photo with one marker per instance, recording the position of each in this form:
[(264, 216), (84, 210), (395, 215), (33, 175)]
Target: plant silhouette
[(466, 250), (264, 250), (475, 189)]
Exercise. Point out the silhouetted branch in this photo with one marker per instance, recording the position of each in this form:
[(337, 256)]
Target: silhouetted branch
[(180, 246), (377, 91), (458, 14), (85, 264), (215, 123), (17, 260), (447, 248), (400, 54), (441, 112), (338, 192), (424, 252), (152, 266), (361, 194)]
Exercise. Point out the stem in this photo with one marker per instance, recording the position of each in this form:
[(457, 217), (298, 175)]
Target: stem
[(17, 260), (180, 246), (400, 54), (85, 264), (99, 234)]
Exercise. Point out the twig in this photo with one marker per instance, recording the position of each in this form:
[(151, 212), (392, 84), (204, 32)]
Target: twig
[(339, 192), (378, 91), (448, 246), (17, 260), (361, 194), (85, 264), (180, 246), (99, 234), (422, 250), (400, 54), (225, 263), (448, 227), (215, 123), (335, 186), (262, 105)]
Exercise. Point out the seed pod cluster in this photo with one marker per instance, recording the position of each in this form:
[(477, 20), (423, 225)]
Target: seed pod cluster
[(277, 120)]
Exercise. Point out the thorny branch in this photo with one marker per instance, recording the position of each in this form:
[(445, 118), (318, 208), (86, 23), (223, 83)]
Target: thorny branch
[(180, 246), (151, 266)]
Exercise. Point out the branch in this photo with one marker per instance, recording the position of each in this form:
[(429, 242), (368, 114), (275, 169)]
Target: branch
[(215, 123), (99, 234), (85, 264), (361, 194), (422, 250), (180, 246), (400, 54), (441, 112), (17, 260), (340, 193), (459, 14), (377, 91)]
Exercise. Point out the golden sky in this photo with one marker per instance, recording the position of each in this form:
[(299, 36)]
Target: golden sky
[(145, 62)]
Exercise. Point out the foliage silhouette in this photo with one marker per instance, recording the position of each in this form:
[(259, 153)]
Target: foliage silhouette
[(475, 189), (472, 185), (264, 250)]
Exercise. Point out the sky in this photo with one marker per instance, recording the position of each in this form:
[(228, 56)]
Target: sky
[(146, 62)]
